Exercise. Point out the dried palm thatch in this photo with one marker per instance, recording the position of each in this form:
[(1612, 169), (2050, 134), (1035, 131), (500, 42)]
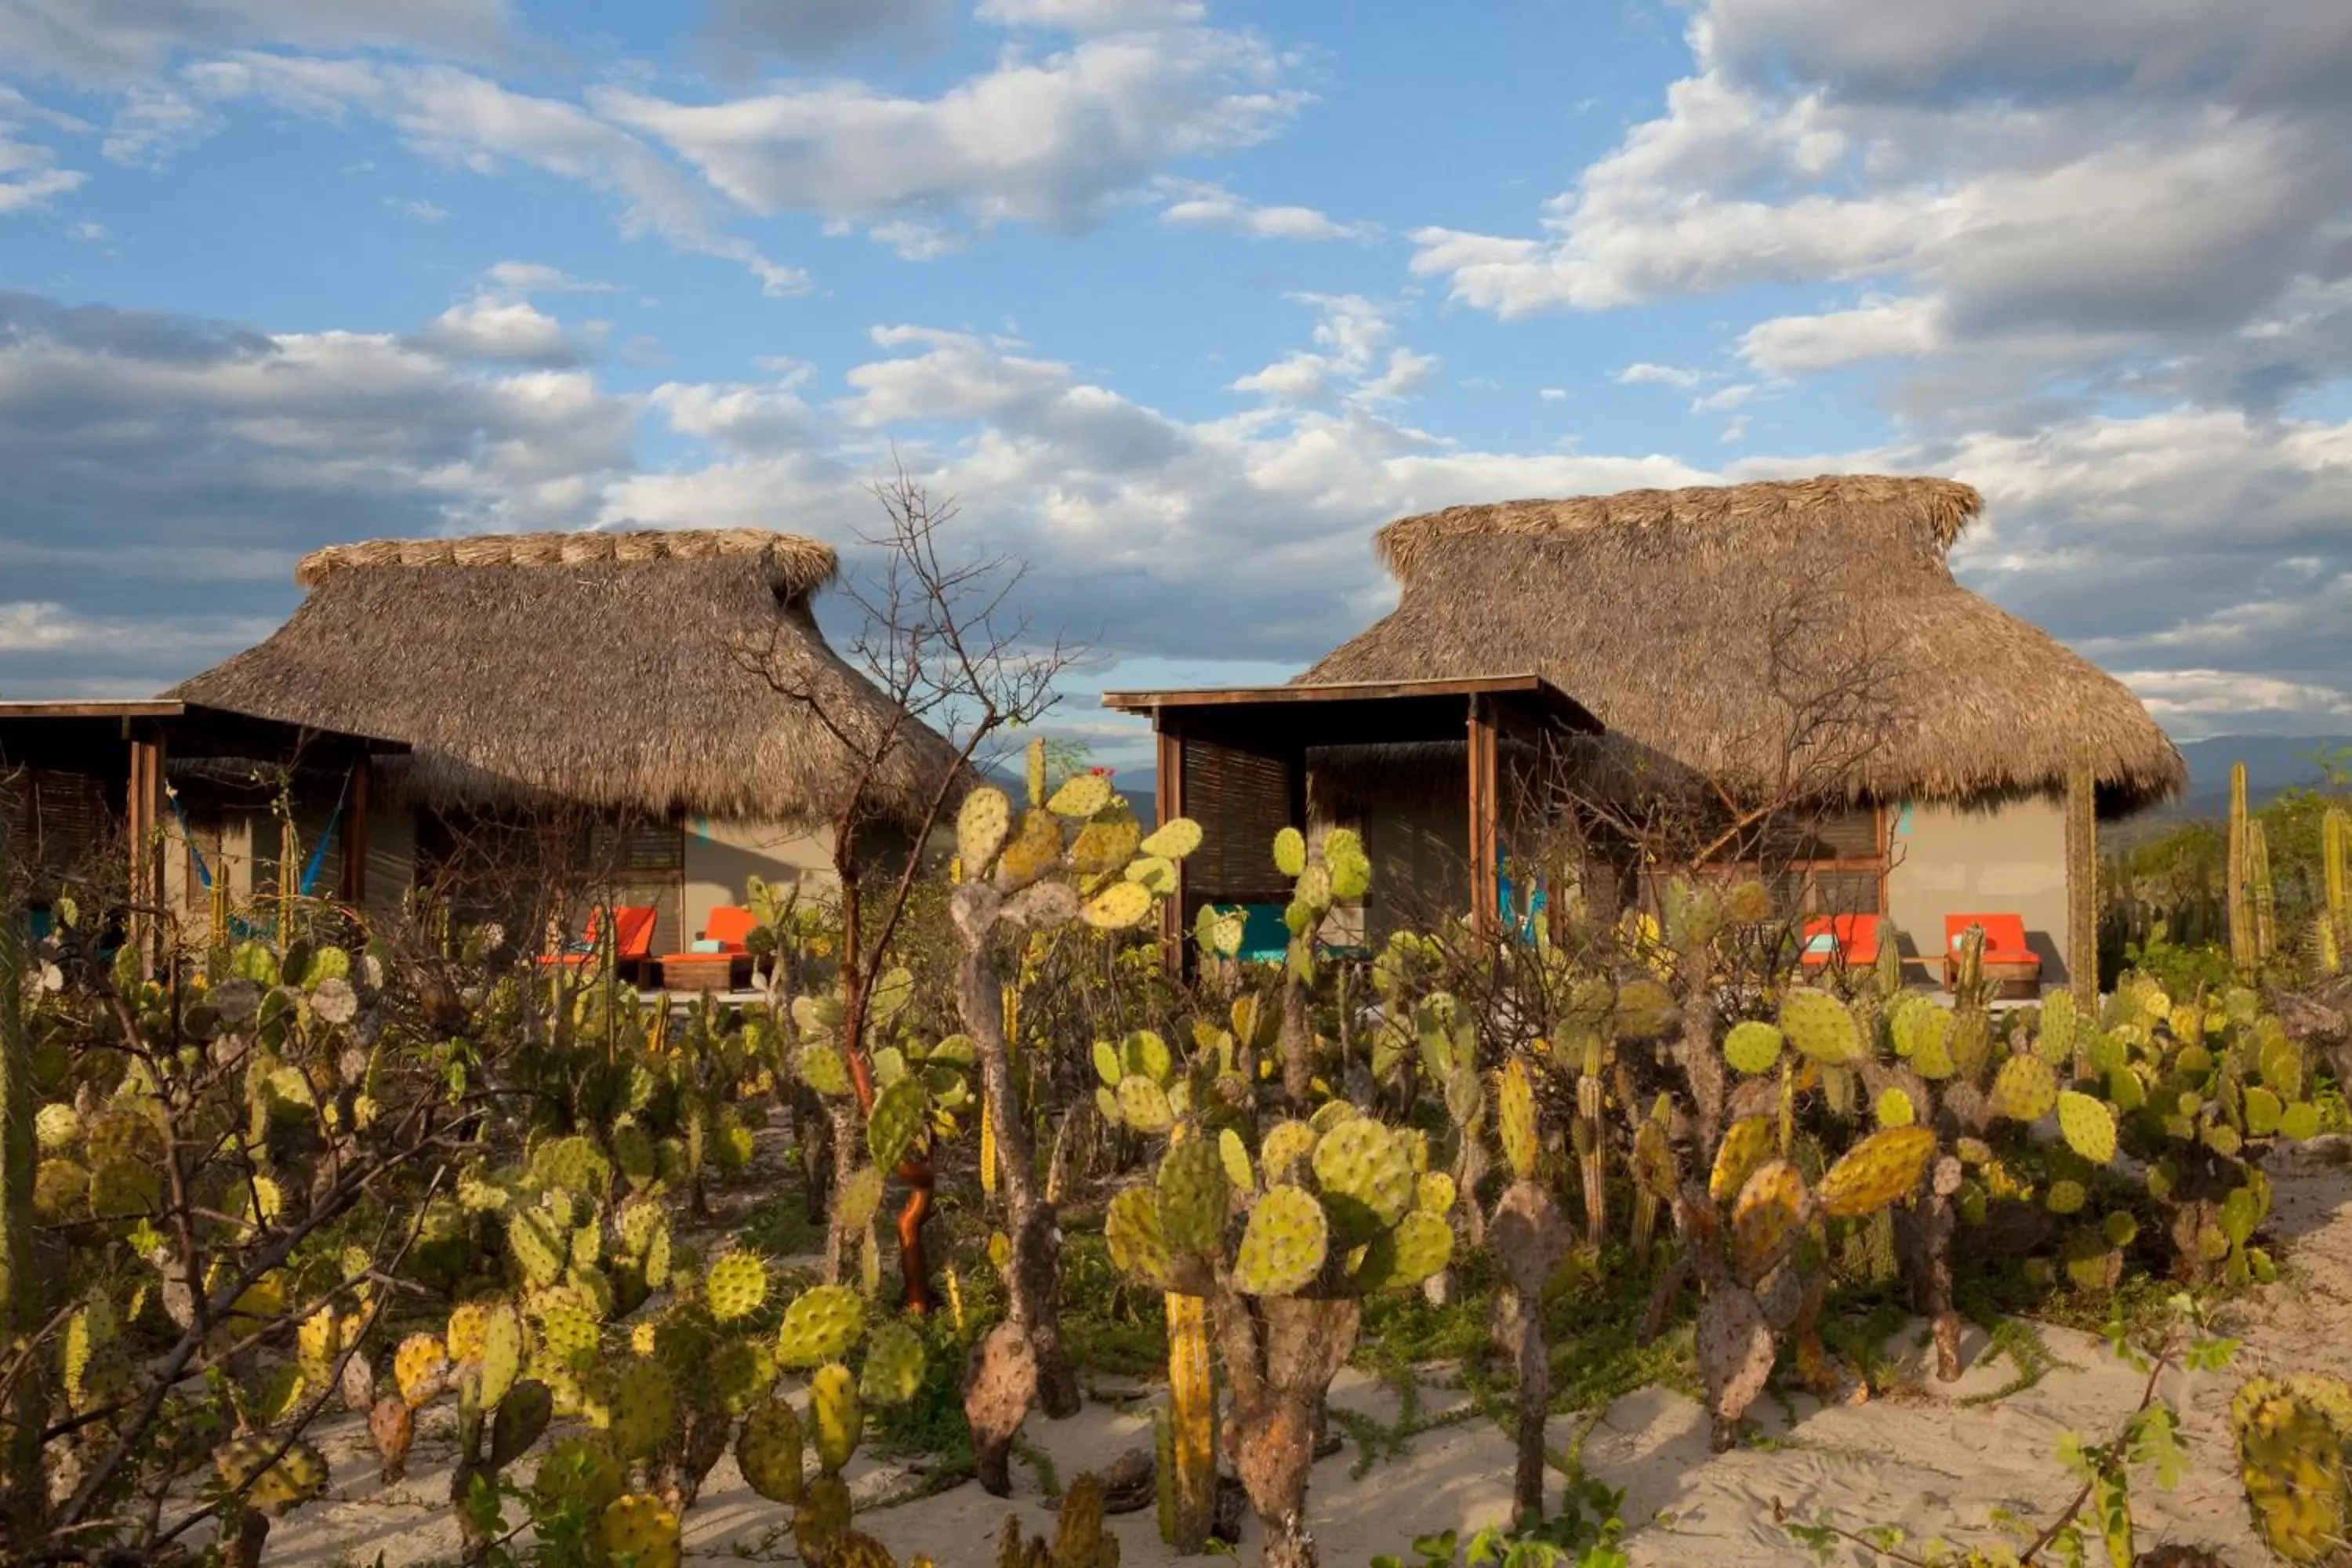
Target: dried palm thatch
[(1763, 635), (629, 671)]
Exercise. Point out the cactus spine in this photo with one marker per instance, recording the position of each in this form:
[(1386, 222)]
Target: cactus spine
[(2241, 918), (2082, 879)]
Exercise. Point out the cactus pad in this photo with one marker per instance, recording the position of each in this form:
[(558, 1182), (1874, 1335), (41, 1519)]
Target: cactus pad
[(420, 1368), (1103, 848), (1118, 907), (1367, 1176), (57, 1128), (1421, 1245), (2299, 1121), (1515, 1102), (1880, 1170), (1234, 1155), (736, 1285), (567, 1337), (820, 1325), (740, 1374), (1144, 1105), (835, 1415), (579, 1470), (394, 1427), (1285, 1145), (1284, 1244), (1173, 840), (1433, 1193), (1735, 1355), (900, 1116), (822, 1517), (1643, 1011), (1193, 1193), (1771, 1205), (2089, 1126), (2294, 1459), (1818, 1024), (982, 824), (1893, 1109), (1753, 1047), (501, 1357), (1081, 796), (894, 1366), (641, 1402), (1137, 1239), (2025, 1089), (640, 1527), (521, 1420), (1290, 852), (295, 1477), (1745, 1144), (768, 1449)]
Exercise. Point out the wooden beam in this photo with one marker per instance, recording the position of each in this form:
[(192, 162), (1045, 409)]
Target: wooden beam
[(355, 836), (126, 711), (1484, 812), (142, 813), (1169, 803), (1332, 692)]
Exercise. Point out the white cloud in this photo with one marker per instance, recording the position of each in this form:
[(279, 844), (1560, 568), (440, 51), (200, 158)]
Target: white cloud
[(1644, 374), (508, 331), (28, 175), (472, 122), (1092, 15), (34, 188), (1054, 141), (2058, 195), (538, 277), (1196, 204), (1347, 363), (1553, 394), (1789, 345), (421, 210), (118, 40), (153, 123)]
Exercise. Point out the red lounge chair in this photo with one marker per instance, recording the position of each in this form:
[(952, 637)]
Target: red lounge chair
[(633, 938), (728, 925), (2009, 963), (1851, 941)]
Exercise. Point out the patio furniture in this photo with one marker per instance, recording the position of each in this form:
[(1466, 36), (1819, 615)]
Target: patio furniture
[(720, 958), (633, 942), (2011, 966), (1849, 942), (1266, 936)]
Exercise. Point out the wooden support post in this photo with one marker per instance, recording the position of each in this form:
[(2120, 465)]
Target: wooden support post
[(1169, 801), (355, 836), (141, 812), (1485, 918)]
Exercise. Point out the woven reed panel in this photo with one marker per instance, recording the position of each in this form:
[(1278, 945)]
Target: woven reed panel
[(1240, 800)]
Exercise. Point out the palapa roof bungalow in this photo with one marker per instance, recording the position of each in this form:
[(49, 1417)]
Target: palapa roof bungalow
[(648, 678), (1785, 643)]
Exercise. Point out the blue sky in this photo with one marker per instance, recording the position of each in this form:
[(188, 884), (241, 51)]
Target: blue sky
[(1179, 300)]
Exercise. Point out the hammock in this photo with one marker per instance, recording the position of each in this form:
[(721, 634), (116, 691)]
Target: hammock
[(238, 926)]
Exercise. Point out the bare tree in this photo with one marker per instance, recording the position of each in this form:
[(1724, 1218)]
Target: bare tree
[(941, 636)]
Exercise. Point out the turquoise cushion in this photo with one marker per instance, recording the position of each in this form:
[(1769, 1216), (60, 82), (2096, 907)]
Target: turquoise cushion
[(1824, 941)]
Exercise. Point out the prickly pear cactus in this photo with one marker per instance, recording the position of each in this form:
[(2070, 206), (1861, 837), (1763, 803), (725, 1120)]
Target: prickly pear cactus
[(2294, 1457)]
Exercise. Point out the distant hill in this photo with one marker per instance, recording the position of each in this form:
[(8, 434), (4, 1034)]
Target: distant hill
[(2273, 763)]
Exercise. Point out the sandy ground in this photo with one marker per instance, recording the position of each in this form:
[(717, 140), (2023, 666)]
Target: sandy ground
[(1920, 1457)]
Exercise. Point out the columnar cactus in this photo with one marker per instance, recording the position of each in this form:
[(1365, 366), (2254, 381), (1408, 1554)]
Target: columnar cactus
[(2240, 883), (1336, 871), (1076, 859), (1284, 1247), (1530, 1240)]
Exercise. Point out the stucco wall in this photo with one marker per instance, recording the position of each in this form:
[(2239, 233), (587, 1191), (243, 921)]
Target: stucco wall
[(721, 857), (2006, 860)]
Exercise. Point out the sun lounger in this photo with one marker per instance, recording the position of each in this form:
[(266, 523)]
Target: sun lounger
[(632, 941), (2009, 964), (1849, 942), (720, 960)]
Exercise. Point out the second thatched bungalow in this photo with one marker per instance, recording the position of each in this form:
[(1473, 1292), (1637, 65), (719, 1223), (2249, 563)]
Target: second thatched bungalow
[(1797, 653), (665, 697)]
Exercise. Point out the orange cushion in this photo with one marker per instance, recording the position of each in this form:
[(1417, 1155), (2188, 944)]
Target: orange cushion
[(2004, 936), (633, 929), (1856, 937), (730, 925)]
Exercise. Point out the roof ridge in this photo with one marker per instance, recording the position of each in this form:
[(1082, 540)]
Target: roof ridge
[(803, 563), (1945, 507)]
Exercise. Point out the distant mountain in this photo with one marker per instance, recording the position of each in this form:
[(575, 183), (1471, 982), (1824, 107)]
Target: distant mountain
[(2273, 763)]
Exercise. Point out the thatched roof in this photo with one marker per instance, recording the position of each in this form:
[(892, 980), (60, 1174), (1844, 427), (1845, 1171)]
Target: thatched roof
[(1755, 633), (623, 670)]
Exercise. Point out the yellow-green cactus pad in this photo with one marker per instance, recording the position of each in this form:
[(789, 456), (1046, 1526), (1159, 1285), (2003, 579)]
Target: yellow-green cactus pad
[(1753, 1047), (820, 1325), (1284, 1244), (1880, 1170), (2089, 1126)]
